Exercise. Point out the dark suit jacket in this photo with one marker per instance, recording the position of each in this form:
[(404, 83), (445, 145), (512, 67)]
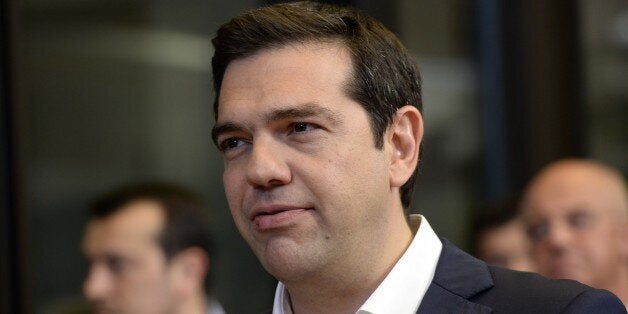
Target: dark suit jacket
[(464, 284)]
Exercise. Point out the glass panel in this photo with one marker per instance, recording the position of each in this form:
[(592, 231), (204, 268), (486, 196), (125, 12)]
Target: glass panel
[(439, 33), (605, 45)]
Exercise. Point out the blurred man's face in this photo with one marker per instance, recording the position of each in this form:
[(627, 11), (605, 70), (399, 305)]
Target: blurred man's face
[(507, 246), (574, 217), (128, 272)]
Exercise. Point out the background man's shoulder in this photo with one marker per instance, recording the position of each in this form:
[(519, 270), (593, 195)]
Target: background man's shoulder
[(523, 292)]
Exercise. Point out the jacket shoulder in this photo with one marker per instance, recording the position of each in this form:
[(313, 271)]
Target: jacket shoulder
[(524, 292)]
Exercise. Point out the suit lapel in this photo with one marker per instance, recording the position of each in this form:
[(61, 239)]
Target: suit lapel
[(458, 277)]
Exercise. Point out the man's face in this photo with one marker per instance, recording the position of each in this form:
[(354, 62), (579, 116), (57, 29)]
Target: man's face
[(576, 226), (128, 272), (507, 246), (304, 182)]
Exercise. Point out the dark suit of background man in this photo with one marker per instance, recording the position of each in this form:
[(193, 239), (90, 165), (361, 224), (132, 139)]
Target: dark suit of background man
[(318, 116)]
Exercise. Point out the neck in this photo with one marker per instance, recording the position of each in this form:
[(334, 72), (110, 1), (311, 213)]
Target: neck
[(344, 287), (301, 301), (620, 286), (196, 304)]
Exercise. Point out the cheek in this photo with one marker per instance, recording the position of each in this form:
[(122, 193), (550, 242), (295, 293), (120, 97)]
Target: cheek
[(150, 295), (361, 162), (348, 179), (138, 290), (332, 178), (540, 252), (603, 243), (234, 188), (543, 252)]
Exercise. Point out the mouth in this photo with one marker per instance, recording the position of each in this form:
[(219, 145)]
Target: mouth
[(564, 267), (276, 216), (100, 308)]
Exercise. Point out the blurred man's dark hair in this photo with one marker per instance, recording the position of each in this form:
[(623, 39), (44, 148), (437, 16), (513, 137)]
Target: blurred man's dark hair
[(186, 224)]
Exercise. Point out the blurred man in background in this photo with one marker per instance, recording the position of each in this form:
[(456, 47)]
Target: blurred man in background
[(576, 215), (148, 249), (501, 240)]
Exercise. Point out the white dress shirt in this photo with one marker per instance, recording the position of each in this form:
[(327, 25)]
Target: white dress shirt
[(214, 307), (405, 285)]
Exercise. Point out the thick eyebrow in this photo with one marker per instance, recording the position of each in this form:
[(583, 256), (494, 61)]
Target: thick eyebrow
[(305, 110), (224, 128)]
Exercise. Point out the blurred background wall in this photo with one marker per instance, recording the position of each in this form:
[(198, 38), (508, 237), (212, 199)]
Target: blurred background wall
[(97, 93)]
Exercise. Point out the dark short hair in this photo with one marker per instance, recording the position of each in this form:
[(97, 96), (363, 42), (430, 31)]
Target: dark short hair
[(186, 221), (385, 77)]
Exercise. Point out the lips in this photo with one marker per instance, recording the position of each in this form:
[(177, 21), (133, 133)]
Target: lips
[(275, 217), (563, 268)]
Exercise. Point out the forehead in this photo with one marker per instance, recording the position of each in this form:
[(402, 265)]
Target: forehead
[(133, 227), (566, 190), (295, 73)]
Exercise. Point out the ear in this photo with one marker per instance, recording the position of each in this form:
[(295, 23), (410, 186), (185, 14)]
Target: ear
[(624, 239), (404, 137), (189, 269)]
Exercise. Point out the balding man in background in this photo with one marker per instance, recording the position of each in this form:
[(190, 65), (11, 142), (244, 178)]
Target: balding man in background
[(576, 214)]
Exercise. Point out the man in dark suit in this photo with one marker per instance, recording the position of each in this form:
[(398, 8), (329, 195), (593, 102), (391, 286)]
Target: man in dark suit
[(318, 116)]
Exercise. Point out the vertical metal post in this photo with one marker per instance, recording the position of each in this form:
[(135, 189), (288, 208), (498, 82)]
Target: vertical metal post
[(11, 284), (494, 133)]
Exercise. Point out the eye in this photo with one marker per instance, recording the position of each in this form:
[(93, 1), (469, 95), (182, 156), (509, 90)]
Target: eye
[(580, 220), (301, 127), (538, 232), (231, 143), (116, 264)]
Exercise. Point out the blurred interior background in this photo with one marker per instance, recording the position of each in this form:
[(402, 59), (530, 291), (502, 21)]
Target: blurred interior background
[(98, 93)]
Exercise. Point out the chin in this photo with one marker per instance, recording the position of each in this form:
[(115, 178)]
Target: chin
[(284, 268), (566, 273), (288, 274), (103, 311), (287, 265)]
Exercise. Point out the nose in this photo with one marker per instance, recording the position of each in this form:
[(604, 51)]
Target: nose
[(559, 237), (267, 165), (97, 284)]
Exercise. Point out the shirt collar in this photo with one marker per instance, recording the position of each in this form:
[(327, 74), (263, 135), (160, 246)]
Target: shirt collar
[(405, 285), (281, 297)]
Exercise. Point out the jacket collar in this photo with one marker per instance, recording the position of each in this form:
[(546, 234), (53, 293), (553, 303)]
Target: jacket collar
[(458, 277)]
